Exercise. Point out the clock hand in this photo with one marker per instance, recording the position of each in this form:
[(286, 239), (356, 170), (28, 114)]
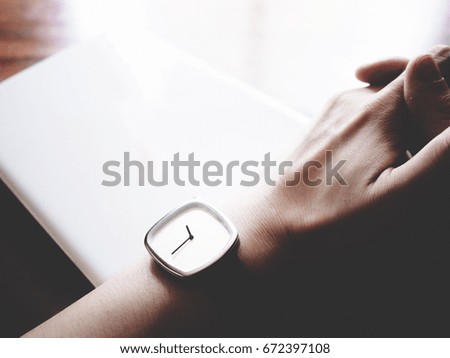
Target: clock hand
[(189, 238), (189, 231)]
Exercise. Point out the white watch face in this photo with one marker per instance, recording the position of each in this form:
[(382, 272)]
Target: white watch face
[(190, 238)]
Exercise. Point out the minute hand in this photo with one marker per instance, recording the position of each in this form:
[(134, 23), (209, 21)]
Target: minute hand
[(189, 238)]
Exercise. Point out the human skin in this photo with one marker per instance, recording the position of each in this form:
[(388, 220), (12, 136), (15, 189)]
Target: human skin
[(428, 101), (370, 129)]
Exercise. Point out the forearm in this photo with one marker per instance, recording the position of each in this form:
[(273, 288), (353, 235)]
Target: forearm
[(147, 301), (138, 302)]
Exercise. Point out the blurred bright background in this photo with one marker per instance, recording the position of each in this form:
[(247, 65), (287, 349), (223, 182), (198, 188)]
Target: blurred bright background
[(298, 51)]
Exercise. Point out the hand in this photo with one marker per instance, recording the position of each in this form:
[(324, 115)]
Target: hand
[(286, 230), (369, 128), (426, 89)]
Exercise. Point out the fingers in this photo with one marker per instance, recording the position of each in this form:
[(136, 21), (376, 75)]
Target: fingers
[(440, 54), (428, 98), (423, 87), (381, 72), (384, 71), (427, 94)]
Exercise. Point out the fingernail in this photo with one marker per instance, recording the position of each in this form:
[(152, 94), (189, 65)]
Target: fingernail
[(426, 69)]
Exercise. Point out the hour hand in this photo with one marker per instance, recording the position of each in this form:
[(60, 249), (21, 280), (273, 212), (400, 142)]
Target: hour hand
[(189, 232)]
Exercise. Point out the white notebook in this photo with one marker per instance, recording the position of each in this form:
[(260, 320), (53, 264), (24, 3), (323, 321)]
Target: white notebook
[(61, 119)]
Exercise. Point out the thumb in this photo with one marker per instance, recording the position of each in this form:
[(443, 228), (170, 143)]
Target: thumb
[(427, 96)]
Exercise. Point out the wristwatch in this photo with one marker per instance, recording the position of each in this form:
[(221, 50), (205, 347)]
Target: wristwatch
[(191, 238)]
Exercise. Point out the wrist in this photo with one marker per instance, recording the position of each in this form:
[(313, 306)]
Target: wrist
[(263, 230), (233, 290)]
